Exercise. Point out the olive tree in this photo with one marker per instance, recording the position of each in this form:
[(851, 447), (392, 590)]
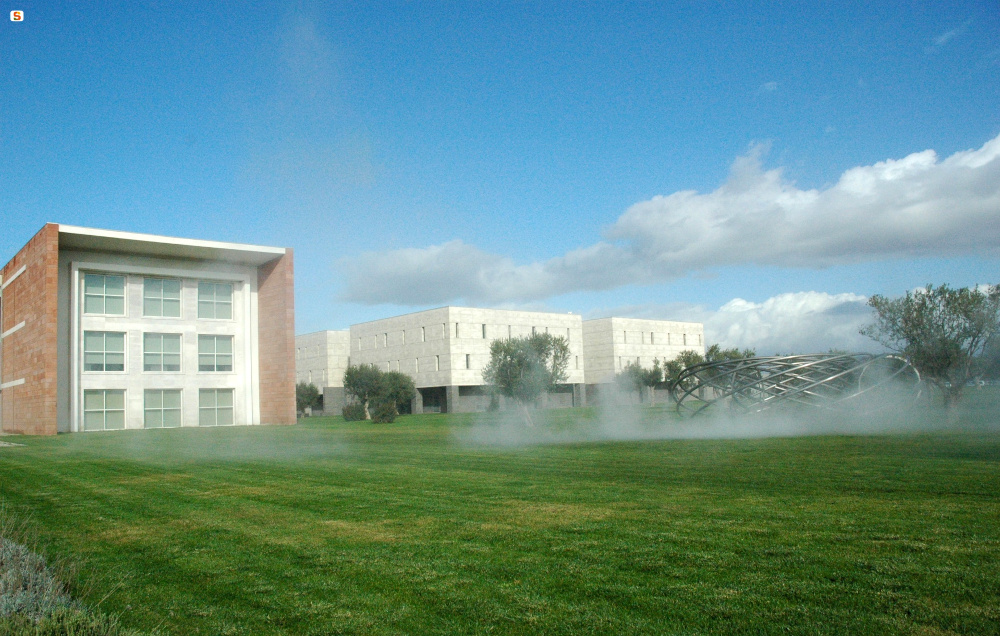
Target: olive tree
[(380, 393), (687, 359), (307, 396), (363, 382), (943, 332), (395, 389), (633, 378), (523, 368)]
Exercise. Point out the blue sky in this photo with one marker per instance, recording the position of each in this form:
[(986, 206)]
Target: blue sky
[(757, 166)]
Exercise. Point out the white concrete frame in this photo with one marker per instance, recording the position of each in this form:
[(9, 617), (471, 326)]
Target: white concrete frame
[(246, 380)]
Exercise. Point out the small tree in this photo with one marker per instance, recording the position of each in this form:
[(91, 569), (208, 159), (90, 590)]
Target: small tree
[(941, 331), (651, 378), (307, 396), (523, 368), (684, 360), (631, 379), (363, 382), (988, 364), (395, 389), (716, 353)]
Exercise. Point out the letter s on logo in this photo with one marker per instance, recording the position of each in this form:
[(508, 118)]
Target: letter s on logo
[(16, 16)]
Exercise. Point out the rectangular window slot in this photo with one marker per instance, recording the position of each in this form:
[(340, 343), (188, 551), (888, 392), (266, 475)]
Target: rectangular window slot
[(103, 294), (215, 301), (215, 353), (161, 298), (103, 410), (103, 351), (161, 408), (161, 352), (215, 407)]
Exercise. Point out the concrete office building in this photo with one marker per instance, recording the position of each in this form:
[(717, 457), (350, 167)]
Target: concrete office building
[(321, 359), (610, 344), (111, 330), (445, 350)]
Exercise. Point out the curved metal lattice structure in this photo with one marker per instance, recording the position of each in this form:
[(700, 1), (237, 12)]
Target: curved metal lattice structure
[(825, 380)]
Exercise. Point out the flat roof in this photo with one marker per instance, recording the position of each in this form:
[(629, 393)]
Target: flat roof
[(425, 311), (85, 238)]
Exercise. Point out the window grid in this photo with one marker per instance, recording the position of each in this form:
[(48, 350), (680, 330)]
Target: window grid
[(215, 301), (215, 407), (103, 351), (215, 353), (103, 294), (103, 410), (161, 298), (161, 352), (161, 408)]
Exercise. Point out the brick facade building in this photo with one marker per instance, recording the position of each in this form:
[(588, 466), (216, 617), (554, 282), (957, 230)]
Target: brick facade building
[(109, 330)]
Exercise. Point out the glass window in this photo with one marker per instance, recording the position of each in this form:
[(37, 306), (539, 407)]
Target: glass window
[(103, 351), (215, 353), (161, 352), (215, 300), (104, 294), (162, 408), (215, 407), (103, 410), (161, 298)]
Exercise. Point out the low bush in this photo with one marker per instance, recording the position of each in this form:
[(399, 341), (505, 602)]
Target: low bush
[(34, 602), (353, 412), (27, 587), (64, 622), (384, 413)]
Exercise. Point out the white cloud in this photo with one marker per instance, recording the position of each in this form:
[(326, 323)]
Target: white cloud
[(917, 206), (943, 39), (768, 87), (803, 322)]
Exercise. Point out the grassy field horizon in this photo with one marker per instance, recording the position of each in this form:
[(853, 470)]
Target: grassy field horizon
[(444, 524)]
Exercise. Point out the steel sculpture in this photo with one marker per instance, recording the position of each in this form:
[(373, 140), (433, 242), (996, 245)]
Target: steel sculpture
[(825, 380)]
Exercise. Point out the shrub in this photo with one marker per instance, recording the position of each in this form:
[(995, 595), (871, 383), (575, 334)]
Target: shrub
[(64, 622), (384, 413), (353, 412), (33, 602), (27, 586)]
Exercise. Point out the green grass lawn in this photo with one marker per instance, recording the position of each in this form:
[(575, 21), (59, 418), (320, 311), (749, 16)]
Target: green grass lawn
[(352, 528)]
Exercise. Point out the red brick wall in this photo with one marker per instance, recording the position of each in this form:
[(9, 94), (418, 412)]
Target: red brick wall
[(30, 352), (276, 340)]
